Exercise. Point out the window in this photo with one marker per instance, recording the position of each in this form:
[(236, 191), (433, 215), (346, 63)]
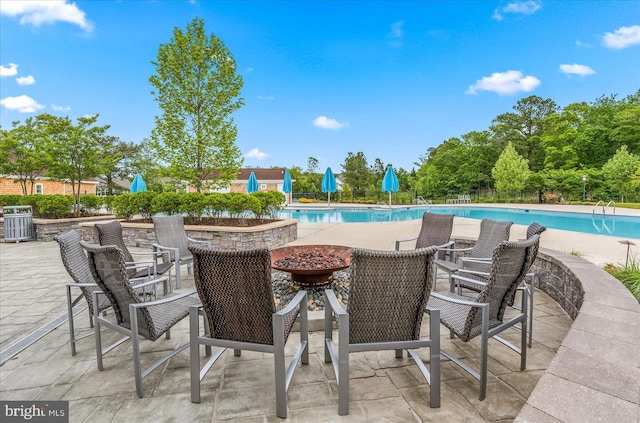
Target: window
[(39, 189), (263, 187)]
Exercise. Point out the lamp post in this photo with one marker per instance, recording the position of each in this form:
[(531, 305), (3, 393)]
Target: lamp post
[(584, 187)]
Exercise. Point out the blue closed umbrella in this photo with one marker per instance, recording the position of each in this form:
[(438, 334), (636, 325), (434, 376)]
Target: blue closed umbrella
[(329, 183), (252, 183), (286, 184), (390, 182), (138, 184)]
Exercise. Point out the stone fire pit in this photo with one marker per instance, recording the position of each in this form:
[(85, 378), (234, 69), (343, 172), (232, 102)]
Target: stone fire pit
[(311, 265)]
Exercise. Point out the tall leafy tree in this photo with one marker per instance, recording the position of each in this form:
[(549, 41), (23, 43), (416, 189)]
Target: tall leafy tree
[(524, 127), (116, 157), (73, 150), (312, 165), (198, 89), (144, 161), (510, 172), (21, 154), (619, 172), (355, 172)]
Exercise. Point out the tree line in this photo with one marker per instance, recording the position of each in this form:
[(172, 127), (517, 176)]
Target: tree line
[(584, 148)]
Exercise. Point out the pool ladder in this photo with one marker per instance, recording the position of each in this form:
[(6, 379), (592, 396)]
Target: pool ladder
[(604, 208)]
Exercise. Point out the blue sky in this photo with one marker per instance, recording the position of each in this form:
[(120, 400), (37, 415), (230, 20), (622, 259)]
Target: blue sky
[(324, 78)]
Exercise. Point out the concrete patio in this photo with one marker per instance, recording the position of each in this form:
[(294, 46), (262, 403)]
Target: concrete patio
[(383, 388)]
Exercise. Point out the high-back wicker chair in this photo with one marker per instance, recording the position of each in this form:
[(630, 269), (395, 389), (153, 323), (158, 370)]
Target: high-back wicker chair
[(173, 242), (388, 293), (492, 232), (470, 269), (111, 234), (134, 317), (485, 314), (237, 298), (75, 261), (435, 230)]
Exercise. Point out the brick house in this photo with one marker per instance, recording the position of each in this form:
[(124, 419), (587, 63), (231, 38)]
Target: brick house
[(9, 185), (269, 179)]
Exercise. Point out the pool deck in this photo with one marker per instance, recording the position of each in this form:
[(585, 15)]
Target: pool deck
[(382, 388)]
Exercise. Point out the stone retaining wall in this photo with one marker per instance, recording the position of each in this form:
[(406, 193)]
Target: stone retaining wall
[(46, 229), (270, 235)]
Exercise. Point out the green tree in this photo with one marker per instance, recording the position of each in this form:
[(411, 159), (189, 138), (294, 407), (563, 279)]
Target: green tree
[(510, 172), (355, 172), (312, 165), (524, 127), (197, 89), (144, 161), (619, 172), (73, 150), (21, 155), (116, 157)]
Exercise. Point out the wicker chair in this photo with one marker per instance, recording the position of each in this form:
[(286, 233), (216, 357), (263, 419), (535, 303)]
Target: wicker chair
[(228, 282), (485, 314), (133, 316), (75, 261), (111, 234), (492, 232), (435, 230), (470, 270), (388, 293), (173, 242)]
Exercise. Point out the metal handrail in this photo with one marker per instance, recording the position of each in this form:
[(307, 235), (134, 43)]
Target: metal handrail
[(608, 204), (423, 200), (597, 204), (604, 208)]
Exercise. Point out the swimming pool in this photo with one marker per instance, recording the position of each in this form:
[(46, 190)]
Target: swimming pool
[(612, 225)]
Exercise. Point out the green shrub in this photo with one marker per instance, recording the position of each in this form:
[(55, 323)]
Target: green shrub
[(167, 203), (51, 206), (143, 202), (91, 202), (240, 205), (10, 200), (108, 203), (215, 205), (270, 203), (193, 204), (124, 206), (629, 274)]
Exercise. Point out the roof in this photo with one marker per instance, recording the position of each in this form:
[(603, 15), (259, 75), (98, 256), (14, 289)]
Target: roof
[(262, 174)]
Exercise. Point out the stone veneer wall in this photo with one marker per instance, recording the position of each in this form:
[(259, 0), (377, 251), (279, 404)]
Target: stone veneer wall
[(595, 375), (270, 235), (46, 229)]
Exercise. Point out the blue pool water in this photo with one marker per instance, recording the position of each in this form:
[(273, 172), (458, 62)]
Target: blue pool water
[(614, 225)]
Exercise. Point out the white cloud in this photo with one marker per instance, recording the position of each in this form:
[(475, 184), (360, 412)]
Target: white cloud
[(12, 70), (38, 12), (23, 104), (269, 97), (60, 108), (504, 83), (581, 44), (397, 33), (520, 7), (623, 37), (257, 154), (329, 123), (26, 80), (396, 29), (576, 69)]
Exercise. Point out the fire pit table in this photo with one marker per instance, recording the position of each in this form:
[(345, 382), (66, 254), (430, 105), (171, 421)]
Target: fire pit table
[(311, 265)]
